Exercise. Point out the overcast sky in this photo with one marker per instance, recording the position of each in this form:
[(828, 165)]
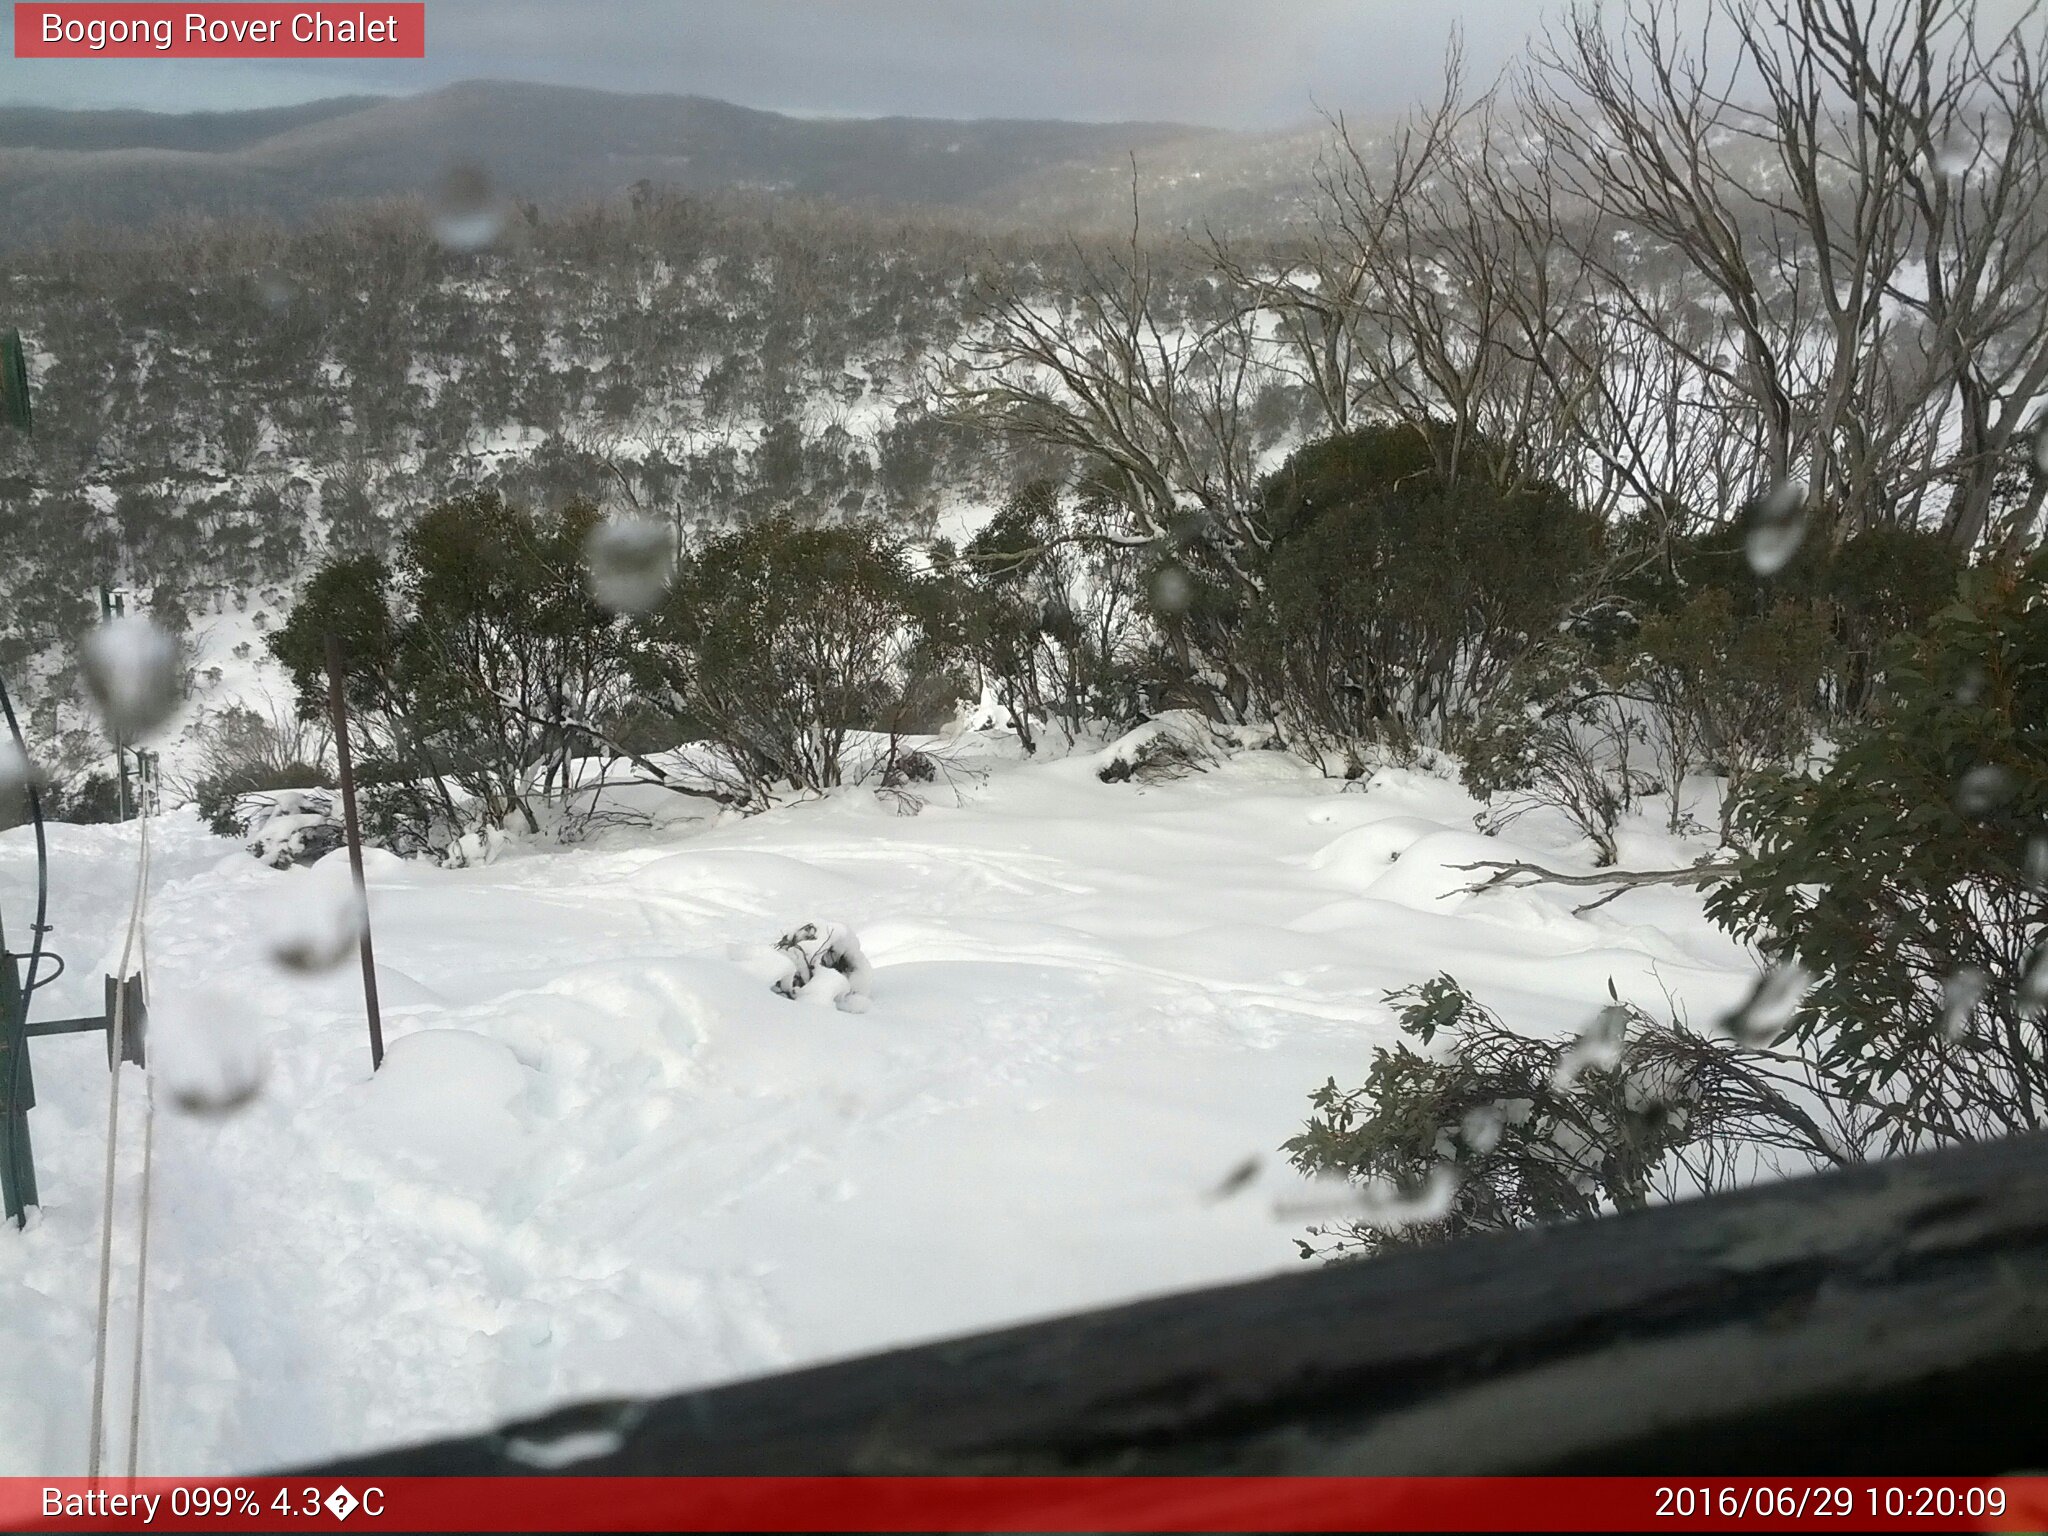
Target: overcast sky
[(1233, 63)]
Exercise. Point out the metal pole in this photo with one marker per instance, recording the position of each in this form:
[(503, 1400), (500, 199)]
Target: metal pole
[(337, 707), (17, 1088), (111, 608)]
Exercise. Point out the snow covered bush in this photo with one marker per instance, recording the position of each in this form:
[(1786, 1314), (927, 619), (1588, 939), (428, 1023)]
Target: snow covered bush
[(243, 753), (1563, 733), (819, 950), (284, 826), (1484, 1128), (1174, 745), (1591, 726)]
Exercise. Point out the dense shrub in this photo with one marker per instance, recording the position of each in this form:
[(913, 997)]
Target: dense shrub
[(91, 798), (1883, 582), (1733, 694), (1863, 591), (1696, 688), (1393, 601), (1907, 879), (1695, 664), (1561, 732), (779, 643)]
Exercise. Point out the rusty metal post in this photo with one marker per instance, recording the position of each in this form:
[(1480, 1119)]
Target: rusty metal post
[(337, 707)]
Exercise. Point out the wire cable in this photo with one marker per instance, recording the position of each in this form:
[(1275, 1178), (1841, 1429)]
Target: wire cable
[(99, 1362)]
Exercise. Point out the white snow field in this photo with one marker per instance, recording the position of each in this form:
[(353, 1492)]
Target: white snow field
[(603, 1157)]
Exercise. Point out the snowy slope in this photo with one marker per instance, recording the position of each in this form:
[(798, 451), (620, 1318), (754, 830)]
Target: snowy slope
[(604, 1158)]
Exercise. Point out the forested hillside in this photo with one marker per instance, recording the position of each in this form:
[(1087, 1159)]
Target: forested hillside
[(218, 408)]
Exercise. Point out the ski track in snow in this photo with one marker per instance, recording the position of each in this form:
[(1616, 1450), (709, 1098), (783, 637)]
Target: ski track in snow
[(604, 1159)]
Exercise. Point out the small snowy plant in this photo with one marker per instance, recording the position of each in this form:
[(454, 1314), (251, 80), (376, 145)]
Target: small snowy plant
[(823, 963), (1171, 746)]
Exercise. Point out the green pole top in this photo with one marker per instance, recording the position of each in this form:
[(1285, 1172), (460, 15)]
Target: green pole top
[(14, 381)]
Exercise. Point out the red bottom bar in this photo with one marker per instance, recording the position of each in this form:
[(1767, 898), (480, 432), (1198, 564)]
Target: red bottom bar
[(1051, 1504)]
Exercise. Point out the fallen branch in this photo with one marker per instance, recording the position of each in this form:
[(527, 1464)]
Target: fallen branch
[(1517, 875)]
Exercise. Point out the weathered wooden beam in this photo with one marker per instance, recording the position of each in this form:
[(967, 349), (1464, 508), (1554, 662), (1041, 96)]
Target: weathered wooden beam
[(1891, 1318)]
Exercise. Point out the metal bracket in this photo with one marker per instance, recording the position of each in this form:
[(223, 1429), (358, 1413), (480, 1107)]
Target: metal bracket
[(17, 1157)]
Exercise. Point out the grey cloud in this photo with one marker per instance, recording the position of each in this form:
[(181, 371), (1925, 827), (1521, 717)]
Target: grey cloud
[(1237, 63), (1232, 63)]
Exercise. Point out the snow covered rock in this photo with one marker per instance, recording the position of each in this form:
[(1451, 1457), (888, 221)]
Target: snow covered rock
[(823, 963), (1172, 746)]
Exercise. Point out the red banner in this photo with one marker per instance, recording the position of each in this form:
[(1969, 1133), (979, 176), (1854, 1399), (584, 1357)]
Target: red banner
[(370, 30), (1025, 1504)]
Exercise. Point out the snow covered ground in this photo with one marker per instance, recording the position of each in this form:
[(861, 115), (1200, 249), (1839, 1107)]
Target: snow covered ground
[(603, 1157)]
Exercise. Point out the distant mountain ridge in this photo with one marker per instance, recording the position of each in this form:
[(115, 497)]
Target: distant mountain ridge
[(59, 169), (57, 128)]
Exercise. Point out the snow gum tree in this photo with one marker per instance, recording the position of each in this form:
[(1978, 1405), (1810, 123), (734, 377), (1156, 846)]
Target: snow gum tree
[(475, 660), (780, 642)]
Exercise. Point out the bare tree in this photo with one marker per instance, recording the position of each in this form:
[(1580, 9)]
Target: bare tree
[(1860, 188), (1109, 365)]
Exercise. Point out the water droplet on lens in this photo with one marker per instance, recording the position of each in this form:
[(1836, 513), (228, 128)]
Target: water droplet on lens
[(318, 927), (1171, 590), (630, 561), (1599, 1047), (1983, 790), (566, 1449), (2035, 870), (1769, 1009), (206, 1052), (16, 774), (1953, 154), (1959, 996), (131, 673), (1238, 1178), (572, 1437), (1481, 1128), (1391, 1205), (2041, 445), (276, 292), (2030, 997), (1776, 528), (466, 212)]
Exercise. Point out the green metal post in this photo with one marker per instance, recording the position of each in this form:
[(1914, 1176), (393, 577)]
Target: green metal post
[(17, 1095), (17, 1087)]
